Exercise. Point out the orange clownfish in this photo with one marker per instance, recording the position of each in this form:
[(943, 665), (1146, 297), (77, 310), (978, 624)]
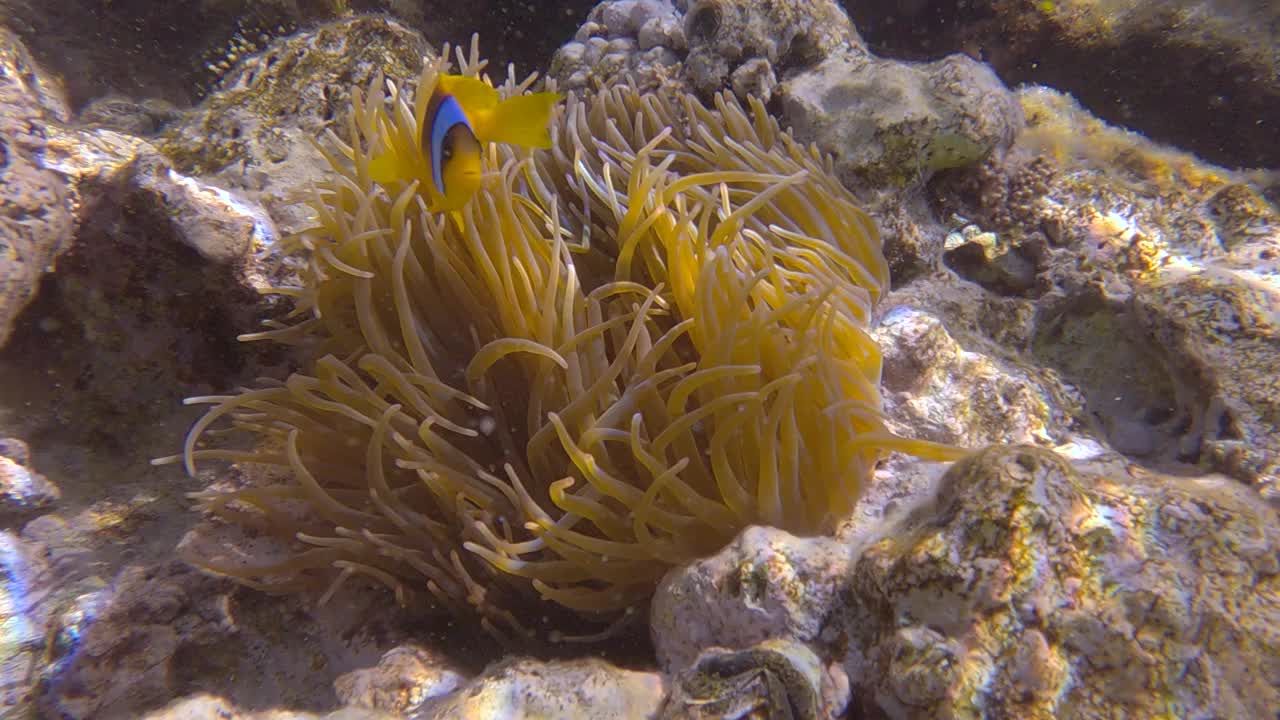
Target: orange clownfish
[(463, 114)]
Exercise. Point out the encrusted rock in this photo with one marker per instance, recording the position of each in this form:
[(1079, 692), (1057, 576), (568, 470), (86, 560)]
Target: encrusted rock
[(1221, 341), (22, 489), (36, 218), (117, 646), (521, 689), (891, 124), (163, 272), (766, 584), (1022, 585), (237, 135), (223, 228), (155, 633), (122, 114), (773, 38), (933, 388), (204, 706), (403, 680), (23, 620), (1200, 74), (1156, 289), (708, 44), (645, 38), (1031, 590), (146, 301)]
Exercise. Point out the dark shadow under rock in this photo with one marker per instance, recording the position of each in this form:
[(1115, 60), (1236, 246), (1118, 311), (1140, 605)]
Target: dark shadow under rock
[(175, 51), (132, 322)]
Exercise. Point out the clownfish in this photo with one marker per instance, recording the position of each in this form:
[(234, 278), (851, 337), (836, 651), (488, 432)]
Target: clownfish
[(462, 115)]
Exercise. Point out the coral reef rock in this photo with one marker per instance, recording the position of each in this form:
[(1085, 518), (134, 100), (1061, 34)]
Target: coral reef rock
[(163, 631), (23, 621), (404, 679), (145, 302), (254, 133), (521, 689), (707, 44), (766, 584), (211, 707), (23, 490), (410, 683), (36, 210), (750, 46), (1033, 590), (1151, 285), (936, 389), (118, 648), (1023, 586), (1221, 342), (1200, 74), (643, 37), (889, 124), (161, 248)]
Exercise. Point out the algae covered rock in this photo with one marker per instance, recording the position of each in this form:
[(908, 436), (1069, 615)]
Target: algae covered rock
[(894, 124), (406, 677), (943, 392), (1026, 585), (254, 132), (36, 215), (1155, 290), (766, 584), (1200, 74), (525, 689), (1029, 589), (1221, 339)]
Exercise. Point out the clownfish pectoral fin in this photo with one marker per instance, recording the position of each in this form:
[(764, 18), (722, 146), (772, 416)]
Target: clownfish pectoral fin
[(522, 120), (457, 220), (386, 168)]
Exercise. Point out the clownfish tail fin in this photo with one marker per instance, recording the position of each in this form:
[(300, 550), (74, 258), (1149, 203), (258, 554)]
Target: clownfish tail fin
[(523, 120)]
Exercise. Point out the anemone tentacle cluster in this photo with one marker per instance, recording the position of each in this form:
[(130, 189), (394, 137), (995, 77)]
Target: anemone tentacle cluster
[(634, 345)]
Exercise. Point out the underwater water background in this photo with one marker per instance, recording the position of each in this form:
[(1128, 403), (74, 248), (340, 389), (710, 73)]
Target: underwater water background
[(1043, 237)]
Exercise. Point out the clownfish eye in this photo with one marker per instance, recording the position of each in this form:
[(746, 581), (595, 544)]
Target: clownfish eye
[(446, 149)]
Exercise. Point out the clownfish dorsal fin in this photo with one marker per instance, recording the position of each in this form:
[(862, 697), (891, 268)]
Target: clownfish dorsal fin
[(473, 94)]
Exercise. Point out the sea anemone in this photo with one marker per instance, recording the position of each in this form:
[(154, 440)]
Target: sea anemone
[(632, 346)]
